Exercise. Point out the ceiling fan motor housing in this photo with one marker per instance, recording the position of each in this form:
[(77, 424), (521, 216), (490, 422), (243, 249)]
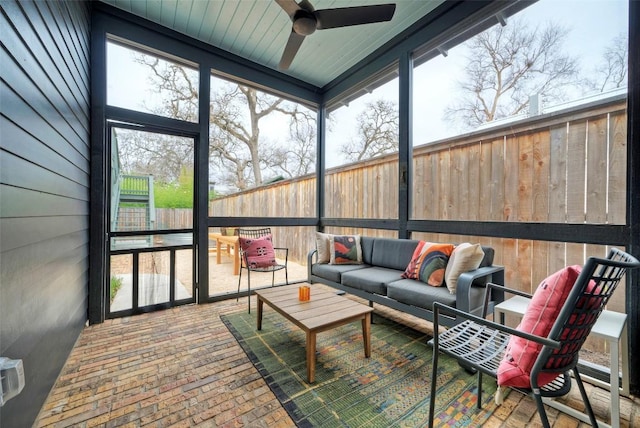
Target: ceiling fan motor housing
[(304, 22)]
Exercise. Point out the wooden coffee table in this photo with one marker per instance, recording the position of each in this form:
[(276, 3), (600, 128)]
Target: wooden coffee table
[(324, 311)]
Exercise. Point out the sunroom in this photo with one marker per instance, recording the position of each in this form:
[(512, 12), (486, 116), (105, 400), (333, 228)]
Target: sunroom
[(500, 123)]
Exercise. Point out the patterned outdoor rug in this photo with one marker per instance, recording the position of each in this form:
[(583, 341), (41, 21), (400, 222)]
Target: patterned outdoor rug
[(391, 389)]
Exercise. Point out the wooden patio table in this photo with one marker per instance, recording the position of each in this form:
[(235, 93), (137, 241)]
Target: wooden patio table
[(324, 311), (231, 241)]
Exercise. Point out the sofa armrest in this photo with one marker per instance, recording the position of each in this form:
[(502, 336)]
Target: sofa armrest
[(310, 261), (493, 274)]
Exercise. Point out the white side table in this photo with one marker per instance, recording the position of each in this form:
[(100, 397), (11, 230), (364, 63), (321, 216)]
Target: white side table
[(611, 326)]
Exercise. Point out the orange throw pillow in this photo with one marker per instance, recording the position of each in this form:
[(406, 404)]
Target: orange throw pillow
[(428, 263)]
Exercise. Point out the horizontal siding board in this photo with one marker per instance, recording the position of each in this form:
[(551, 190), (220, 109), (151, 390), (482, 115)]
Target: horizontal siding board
[(43, 282), (37, 49), (25, 117), (37, 90), (23, 231), (64, 74), (19, 172), (53, 348), (20, 143), (32, 111), (69, 46), (30, 203)]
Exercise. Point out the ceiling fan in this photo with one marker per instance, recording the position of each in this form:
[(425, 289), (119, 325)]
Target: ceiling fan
[(307, 20)]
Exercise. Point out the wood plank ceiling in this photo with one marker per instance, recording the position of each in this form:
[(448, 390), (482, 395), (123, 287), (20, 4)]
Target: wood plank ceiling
[(258, 31)]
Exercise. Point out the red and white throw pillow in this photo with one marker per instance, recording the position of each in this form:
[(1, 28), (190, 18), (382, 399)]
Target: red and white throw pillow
[(542, 312), (259, 252)]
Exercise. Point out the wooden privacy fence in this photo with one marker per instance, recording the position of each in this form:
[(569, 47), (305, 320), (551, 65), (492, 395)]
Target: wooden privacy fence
[(565, 167), (174, 218), (134, 218)]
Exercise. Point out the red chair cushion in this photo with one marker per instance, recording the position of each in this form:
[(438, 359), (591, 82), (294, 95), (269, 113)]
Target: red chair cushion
[(259, 252), (542, 312)]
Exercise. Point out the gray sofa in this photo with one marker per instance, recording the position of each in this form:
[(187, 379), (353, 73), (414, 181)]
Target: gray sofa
[(379, 279)]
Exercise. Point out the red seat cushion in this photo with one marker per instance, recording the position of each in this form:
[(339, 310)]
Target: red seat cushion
[(259, 252), (542, 312)]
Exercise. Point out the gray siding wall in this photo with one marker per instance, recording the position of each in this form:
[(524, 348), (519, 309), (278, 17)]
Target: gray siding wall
[(44, 191)]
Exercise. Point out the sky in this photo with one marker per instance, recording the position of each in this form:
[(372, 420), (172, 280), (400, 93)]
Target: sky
[(434, 81)]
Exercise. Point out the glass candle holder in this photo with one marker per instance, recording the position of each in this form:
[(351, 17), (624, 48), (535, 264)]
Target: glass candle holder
[(304, 293)]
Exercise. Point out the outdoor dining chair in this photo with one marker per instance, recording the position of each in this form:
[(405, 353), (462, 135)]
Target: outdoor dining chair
[(257, 254), (534, 359)]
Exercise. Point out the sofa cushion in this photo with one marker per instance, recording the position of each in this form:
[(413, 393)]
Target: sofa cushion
[(487, 260), (333, 272), (416, 293), (366, 242), (392, 253), (372, 279)]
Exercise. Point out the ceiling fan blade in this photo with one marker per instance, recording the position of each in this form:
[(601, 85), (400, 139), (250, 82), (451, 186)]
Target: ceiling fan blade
[(290, 50), (347, 16), (289, 6)]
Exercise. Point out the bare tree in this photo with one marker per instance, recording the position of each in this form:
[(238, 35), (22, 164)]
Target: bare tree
[(611, 72), (238, 152), (177, 86), (238, 111), (377, 132), (505, 66), (146, 153), (294, 160)]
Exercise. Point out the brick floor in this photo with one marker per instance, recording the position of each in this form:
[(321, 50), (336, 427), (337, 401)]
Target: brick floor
[(181, 367)]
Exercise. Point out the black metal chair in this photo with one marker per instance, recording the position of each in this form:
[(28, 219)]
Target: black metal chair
[(245, 262), (480, 344)]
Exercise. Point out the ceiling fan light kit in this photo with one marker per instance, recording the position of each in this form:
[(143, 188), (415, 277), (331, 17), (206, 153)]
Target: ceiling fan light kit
[(304, 23), (306, 20)]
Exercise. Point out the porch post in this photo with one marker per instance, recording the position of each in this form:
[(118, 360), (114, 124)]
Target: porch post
[(320, 165), (633, 193), (201, 205), (405, 146)]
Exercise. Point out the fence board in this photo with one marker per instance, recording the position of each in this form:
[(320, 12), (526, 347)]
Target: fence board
[(525, 177), (596, 196), (540, 187), (444, 181), (456, 193), (576, 172), (558, 174), (508, 251), (525, 262), (394, 182), (497, 179), (420, 184), (473, 183), (432, 193), (539, 263), (511, 181), (486, 185), (617, 192)]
